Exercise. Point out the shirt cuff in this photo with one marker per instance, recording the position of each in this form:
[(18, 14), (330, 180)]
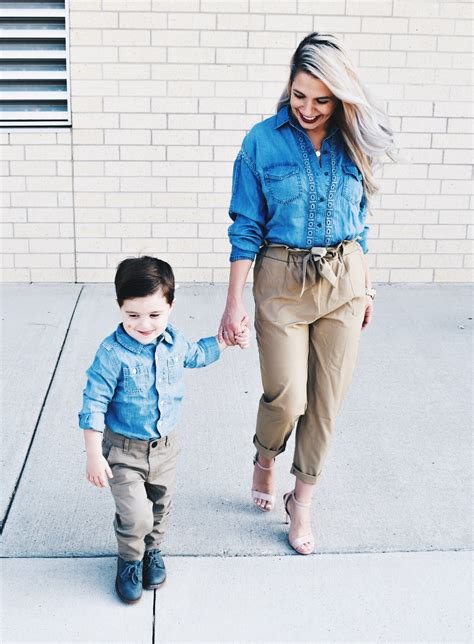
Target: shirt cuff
[(211, 349), (237, 254), (93, 420)]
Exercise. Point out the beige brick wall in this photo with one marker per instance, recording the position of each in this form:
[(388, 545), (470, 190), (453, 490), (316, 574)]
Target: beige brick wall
[(162, 95)]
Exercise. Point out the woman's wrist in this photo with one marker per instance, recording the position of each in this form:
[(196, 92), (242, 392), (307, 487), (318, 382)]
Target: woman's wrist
[(234, 297)]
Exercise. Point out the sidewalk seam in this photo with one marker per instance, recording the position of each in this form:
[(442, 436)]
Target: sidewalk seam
[(465, 549), (17, 483)]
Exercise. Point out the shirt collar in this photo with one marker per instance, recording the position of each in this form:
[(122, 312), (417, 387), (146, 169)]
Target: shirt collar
[(137, 347), (284, 115)]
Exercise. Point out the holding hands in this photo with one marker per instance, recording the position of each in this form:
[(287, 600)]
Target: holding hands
[(235, 324), (243, 338)]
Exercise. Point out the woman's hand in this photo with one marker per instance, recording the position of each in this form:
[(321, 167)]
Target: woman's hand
[(98, 470), (234, 319), (369, 309)]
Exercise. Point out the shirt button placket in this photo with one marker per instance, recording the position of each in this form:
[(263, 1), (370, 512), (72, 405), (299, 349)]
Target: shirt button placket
[(312, 196), (330, 203)]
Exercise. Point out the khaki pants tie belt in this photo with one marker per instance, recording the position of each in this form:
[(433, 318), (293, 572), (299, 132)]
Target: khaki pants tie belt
[(319, 255)]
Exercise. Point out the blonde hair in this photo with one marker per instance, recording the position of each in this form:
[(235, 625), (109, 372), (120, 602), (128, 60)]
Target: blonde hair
[(364, 124)]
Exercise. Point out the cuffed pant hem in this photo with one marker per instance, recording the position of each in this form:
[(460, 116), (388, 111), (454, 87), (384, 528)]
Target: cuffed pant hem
[(264, 451), (130, 556), (304, 478), (153, 546)]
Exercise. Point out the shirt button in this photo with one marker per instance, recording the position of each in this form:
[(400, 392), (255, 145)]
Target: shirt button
[(154, 444), (320, 225), (326, 174), (321, 198), (134, 371)]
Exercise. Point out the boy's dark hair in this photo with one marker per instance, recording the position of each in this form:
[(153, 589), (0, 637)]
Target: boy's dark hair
[(142, 276)]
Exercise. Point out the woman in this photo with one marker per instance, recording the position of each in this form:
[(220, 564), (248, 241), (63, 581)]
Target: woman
[(301, 184)]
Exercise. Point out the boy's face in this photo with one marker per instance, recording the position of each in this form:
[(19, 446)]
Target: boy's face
[(145, 318)]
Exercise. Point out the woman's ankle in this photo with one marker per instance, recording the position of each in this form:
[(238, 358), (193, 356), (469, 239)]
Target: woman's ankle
[(303, 493), (264, 462)]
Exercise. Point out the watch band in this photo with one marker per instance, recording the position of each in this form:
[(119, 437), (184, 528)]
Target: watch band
[(371, 292)]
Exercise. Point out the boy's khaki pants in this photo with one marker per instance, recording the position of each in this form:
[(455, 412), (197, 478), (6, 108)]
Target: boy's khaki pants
[(308, 317), (142, 487)]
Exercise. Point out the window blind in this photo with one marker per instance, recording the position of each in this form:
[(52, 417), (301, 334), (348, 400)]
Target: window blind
[(34, 64)]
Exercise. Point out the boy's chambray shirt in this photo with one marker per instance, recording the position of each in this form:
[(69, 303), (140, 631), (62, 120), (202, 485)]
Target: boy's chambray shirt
[(136, 389), (282, 194)]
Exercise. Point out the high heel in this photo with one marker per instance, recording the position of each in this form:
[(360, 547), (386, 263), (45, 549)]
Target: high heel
[(263, 496), (297, 543)]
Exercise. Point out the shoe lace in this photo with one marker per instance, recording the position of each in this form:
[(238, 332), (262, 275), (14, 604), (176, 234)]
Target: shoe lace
[(132, 571), (154, 558)]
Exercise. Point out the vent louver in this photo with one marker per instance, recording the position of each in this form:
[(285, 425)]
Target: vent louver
[(34, 64)]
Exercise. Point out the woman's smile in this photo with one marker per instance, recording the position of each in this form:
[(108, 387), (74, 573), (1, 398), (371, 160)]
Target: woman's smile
[(308, 119)]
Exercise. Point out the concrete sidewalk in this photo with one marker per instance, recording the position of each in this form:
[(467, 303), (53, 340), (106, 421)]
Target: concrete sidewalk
[(391, 516)]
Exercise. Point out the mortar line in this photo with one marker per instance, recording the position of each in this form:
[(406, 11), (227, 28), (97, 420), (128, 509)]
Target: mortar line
[(17, 483), (73, 195)]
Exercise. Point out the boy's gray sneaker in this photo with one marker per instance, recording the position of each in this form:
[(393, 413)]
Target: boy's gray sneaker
[(128, 583), (154, 571)]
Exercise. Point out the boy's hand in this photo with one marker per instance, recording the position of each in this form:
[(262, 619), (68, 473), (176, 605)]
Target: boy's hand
[(243, 338), (97, 470)]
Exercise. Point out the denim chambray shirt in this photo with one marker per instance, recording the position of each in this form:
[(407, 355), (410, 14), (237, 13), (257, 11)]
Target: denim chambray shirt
[(136, 389), (281, 193)]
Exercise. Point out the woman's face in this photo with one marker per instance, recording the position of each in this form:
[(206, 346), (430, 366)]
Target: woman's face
[(312, 102)]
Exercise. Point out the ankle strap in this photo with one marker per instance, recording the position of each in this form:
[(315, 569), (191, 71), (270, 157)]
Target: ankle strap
[(299, 503), (255, 462)]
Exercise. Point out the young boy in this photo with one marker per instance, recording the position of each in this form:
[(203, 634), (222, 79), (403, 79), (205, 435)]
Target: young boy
[(130, 411)]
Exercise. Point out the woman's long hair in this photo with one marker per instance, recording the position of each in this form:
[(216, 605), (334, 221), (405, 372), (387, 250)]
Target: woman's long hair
[(364, 125)]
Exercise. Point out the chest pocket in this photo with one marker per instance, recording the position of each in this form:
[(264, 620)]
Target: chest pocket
[(175, 368), (352, 187), (135, 379), (283, 182)]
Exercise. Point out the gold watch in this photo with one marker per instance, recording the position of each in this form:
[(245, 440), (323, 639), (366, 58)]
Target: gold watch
[(371, 292)]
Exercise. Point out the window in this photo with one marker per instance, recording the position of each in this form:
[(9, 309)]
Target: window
[(34, 64)]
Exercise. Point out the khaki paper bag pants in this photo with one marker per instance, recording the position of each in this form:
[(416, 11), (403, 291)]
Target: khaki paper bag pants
[(309, 308)]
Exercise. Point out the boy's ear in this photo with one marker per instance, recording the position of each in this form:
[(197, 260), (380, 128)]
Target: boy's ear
[(172, 304)]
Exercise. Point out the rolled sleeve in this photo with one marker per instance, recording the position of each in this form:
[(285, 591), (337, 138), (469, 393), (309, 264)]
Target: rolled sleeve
[(93, 420), (362, 239), (201, 353), (248, 209), (102, 377)]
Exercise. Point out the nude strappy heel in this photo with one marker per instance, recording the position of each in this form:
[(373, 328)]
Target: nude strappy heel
[(299, 541), (263, 496)]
